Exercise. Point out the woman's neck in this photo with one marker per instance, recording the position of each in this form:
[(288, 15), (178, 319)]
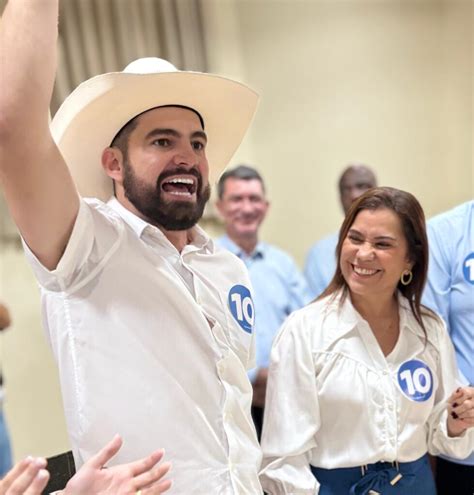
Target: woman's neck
[(376, 307), (383, 319)]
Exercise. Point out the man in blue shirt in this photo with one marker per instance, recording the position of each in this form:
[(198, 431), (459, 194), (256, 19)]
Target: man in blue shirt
[(279, 287), (321, 260), (450, 292)]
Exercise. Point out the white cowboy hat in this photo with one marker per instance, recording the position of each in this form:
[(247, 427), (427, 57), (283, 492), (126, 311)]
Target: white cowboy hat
[(97, 109)]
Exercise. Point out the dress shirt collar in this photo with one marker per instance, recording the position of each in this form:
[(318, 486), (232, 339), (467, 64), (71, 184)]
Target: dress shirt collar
[(199, 239), (230, 245), (344, 318)]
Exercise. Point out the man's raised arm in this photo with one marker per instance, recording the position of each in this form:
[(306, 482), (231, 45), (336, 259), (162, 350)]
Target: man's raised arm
[(36, 182)]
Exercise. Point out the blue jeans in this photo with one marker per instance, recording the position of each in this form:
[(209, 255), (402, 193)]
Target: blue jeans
[(417, 478), (5, 451)]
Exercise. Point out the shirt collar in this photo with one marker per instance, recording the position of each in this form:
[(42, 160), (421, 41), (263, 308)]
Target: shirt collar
[(231, 246), (342, 318), (199, 238), (137, 224)]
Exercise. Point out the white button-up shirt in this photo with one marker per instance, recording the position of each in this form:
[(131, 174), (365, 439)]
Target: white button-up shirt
[(154, 344), (334, 400)]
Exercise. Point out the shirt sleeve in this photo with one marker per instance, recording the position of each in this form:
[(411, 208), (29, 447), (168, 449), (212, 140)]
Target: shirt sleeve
[(252, 352), (439, 442), (299, 293), (252, 359), (436, 295), (312, 274), (94, 237), (291, 414)]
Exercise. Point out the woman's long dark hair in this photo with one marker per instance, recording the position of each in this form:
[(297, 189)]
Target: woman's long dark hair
[(409, 211)]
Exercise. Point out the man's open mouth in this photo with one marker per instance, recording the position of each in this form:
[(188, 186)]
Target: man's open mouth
[(180, 186)]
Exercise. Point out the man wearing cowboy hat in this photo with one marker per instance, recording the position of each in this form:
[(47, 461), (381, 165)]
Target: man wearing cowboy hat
[(152, 327)]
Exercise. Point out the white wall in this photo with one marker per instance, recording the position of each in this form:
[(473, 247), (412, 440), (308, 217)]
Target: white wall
[(33, 406)]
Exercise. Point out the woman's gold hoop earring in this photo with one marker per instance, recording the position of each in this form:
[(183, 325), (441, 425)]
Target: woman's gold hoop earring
[(409, 277)]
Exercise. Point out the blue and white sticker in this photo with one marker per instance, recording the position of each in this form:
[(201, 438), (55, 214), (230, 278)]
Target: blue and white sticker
[(241, 307), (415, 380), (468, 268)]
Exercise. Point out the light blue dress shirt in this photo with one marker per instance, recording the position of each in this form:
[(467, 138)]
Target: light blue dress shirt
[(320, 264), (278, 289), (450, 287), (5, 449)]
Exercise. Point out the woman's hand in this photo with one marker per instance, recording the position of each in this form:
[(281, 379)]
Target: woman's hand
[(142, 476), (460, 411)]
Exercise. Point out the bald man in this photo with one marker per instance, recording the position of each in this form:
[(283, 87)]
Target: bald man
[(321, 260)]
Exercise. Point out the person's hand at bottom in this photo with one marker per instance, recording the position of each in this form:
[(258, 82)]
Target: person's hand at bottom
[(27, 477), (143, 476)]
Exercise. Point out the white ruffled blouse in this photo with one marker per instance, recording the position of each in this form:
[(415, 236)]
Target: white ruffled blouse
[(334, 400)]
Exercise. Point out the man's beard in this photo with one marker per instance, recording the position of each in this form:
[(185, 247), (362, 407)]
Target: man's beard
[(171, 215)]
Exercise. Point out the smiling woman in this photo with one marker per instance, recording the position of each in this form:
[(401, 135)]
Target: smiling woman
[(369, 373), (383, 230), (374, 254)]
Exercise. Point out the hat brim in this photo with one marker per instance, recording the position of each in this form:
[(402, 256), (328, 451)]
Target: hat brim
[(97, 109)]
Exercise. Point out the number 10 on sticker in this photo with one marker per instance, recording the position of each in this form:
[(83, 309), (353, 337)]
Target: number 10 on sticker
[(241, 307), (415, 380)]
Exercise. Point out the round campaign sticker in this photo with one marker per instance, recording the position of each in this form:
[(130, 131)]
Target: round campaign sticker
[(468, 268), (241, 307), (415, 380)]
